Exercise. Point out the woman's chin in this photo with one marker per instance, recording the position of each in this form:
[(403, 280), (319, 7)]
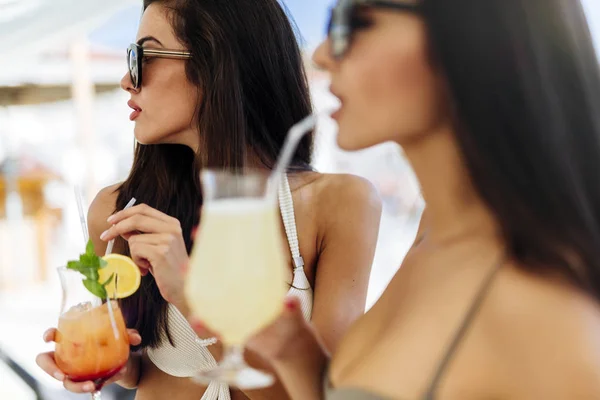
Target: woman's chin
[(142, 141), (353, 141), (144, 138)]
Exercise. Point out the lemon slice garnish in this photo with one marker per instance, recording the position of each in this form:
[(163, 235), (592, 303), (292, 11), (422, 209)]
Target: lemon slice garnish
[(127, 276)]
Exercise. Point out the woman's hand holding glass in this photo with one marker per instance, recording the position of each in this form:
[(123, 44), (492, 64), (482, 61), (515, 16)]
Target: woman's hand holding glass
[(46, 361)]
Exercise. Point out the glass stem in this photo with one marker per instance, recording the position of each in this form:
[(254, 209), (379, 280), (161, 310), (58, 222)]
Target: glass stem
[(96, 395), (233, 357)]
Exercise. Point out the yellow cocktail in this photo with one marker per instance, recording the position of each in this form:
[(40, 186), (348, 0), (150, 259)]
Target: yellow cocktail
[(236, 283)]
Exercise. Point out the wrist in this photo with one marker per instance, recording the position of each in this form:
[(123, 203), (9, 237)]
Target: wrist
[(180, 302)]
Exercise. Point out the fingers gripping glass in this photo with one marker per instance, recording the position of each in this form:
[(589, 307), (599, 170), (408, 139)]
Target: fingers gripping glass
[(136, 54), (340, 27)]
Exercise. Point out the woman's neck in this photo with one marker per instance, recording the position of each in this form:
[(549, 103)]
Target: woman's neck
[(454, 208)]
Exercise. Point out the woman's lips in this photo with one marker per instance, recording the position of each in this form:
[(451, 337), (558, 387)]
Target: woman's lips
[(134, 115), (136, 110), (336, 115)]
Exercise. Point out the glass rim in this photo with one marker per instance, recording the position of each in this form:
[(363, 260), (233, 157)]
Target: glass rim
[(65, 269)]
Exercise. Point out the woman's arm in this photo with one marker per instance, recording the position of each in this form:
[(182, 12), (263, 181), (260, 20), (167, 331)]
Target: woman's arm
[(350, 212), (101, 208)]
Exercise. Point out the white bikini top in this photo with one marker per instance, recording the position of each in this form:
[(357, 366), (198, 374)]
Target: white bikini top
[(190, 353)]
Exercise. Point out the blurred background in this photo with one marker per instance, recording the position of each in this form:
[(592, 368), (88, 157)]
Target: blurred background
[(64, 124)]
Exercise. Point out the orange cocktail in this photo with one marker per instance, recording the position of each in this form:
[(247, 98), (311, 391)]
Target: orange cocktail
[(91, 343)]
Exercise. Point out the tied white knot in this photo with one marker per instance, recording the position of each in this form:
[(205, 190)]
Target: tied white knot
[(300, 286)]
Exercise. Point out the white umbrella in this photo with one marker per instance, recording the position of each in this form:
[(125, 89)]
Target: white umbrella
[(28, 27)]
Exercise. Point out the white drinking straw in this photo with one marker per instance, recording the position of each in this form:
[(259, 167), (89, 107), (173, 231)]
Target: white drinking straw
[(109, 249), (111, 243), (79, 200), (295, 134)]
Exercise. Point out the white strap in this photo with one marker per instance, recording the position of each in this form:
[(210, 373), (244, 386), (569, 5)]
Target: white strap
[(286, 205), (300, 285)]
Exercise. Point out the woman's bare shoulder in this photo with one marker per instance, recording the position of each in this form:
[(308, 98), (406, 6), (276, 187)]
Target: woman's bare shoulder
[(104, 203), (337, 193), (101, 208)]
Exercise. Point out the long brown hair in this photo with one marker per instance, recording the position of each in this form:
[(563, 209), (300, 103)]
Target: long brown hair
[(525, 83), (249, 69)]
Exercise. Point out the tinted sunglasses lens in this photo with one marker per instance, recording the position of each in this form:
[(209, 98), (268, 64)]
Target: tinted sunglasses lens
[(133, 65), (330, 22), (339, 29)]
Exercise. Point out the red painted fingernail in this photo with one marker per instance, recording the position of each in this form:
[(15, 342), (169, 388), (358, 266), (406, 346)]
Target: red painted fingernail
[(291, 304), (197, 325)]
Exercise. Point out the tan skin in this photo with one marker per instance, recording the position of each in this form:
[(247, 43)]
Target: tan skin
[(325, 232), (337, 220), (533, 338)]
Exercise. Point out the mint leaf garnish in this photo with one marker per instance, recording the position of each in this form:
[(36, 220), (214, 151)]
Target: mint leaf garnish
[(89, 248), (88, 265), (90, 273), (95, 288), (74, 265), (90, 261)]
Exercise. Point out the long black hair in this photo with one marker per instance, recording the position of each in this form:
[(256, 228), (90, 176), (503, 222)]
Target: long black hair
[(524, 78), (249, 69)]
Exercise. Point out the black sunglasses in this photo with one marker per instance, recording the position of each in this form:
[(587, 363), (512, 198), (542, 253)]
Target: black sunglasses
[(340, 27), (136, 54)]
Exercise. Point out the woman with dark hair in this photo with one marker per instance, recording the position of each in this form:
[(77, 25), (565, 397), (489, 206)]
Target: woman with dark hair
[(497, 106), (218, 84)]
